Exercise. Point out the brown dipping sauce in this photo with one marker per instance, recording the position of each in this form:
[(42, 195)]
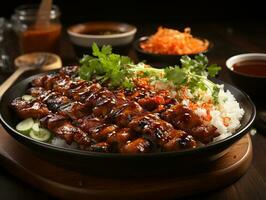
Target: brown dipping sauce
[(101, 32), (251, 67), (41, 38)]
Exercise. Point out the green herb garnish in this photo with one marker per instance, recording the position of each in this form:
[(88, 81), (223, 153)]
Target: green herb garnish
[(106, 66), (119, 71)]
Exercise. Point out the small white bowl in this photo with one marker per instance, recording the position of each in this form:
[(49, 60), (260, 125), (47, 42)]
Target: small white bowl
[(78, 34), (254, 85), (244, 57)]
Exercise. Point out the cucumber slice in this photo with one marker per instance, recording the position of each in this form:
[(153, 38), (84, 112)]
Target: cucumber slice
[(36, 127), (27, 97), (25, 126), (42, 135)]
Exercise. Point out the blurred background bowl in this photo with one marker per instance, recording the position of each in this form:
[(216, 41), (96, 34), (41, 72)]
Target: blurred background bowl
[(118, 35), (253, 84), (160, 60)]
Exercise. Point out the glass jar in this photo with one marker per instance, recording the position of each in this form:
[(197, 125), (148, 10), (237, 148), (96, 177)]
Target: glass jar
[(5, 57), (33, 38)]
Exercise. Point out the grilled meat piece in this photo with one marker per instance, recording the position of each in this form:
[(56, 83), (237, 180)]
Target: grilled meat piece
[(64, 129), (45, 81), (157, 130), (74, 110), (26, 109), (101, 133), (151, 103), (139, 145), (87, 123), (123, 114), (52, 120), (37, 91), (101, 147), (185, 119), (70, 71), (67, 132), (179, 143), (54, 101), (181, 117), (149, 99), (204, 133), (82, 90), (117, 139)]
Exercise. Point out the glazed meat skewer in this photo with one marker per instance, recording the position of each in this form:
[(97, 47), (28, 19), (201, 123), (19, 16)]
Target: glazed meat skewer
[(117, 137), (95, 101), (180, 116), (121, 113)]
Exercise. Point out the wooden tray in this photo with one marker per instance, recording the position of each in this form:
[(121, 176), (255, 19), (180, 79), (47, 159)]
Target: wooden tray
[(67, 184)]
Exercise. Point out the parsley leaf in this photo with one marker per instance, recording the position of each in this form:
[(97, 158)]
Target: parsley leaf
[(213, 70), (108, 67), (176, 75)]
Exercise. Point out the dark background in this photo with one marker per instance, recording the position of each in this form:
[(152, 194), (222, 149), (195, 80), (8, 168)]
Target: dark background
[(234, 27), (159, 11)]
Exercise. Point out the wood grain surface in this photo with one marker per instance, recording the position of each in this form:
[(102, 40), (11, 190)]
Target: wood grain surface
[(66, 184)]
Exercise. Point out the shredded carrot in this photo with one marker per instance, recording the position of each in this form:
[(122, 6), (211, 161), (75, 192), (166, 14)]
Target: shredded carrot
[(193, 106), (226, 121), (207, 105), (170, 41), (183, 93), (208, 117), (143, 82)]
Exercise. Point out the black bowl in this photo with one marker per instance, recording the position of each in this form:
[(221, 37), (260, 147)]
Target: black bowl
[(159, 60), (114, 164)]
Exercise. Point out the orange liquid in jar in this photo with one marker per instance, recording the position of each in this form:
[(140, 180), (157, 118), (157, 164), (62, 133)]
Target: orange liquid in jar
[(41, 39)]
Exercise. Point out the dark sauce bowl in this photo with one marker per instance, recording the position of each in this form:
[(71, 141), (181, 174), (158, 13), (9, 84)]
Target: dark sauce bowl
[(160, 60), (125, 165), (118, 35), (252, 83)]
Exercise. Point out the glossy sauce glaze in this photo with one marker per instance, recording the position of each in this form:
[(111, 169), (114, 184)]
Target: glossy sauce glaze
[(119, 121), (251, 67)]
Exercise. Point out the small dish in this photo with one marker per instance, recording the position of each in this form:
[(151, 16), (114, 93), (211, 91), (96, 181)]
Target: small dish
[(159, 59), (118, 35), (252, 83)]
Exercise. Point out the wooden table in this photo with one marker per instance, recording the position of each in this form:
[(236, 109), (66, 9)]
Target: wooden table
[(229, 39)]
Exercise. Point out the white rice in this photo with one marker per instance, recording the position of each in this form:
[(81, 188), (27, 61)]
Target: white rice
[(227, 107), (57, 141)]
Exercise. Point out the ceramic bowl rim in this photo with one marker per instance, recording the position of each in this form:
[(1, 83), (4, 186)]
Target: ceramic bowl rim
[(112, 36), (243, 57)]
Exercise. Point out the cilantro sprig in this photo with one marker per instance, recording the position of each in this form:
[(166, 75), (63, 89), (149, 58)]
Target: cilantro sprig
[(106, 66), (194, 74), (120, 71)]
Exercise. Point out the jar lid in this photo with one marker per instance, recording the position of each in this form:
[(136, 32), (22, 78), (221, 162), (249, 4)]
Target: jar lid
[(29, 12)]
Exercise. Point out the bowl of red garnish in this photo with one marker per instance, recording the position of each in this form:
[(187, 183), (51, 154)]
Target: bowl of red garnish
[(167, 46)]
